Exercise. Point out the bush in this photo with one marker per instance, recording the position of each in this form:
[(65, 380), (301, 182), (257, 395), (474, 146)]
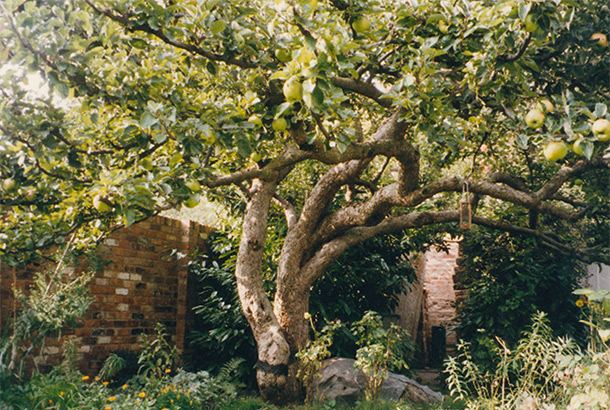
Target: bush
[(510, 278), (55, 301)]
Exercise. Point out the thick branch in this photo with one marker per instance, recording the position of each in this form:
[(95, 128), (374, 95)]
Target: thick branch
[(552, 186), (364, 89)]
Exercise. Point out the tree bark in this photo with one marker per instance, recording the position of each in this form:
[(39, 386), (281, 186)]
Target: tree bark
[(273, 348)]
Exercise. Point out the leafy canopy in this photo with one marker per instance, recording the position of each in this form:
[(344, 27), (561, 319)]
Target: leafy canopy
[(152, 104)]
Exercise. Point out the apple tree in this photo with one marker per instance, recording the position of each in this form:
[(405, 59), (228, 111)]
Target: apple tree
[(354, 118)]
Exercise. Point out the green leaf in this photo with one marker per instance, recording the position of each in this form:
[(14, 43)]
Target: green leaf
[(147, 120), (524, 10), (217, 26), (587, 148), (600, 110)]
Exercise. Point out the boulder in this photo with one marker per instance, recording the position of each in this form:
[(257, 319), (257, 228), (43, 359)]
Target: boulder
[(342, 382)]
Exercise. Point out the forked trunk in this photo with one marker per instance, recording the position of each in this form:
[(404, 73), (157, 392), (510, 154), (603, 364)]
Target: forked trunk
[(276, 340)]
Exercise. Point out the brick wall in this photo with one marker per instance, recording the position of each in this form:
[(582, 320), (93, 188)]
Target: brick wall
[(431, 301), (144, 282), (439, 291)]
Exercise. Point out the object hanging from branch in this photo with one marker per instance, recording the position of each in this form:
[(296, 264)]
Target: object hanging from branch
[(465, 209)]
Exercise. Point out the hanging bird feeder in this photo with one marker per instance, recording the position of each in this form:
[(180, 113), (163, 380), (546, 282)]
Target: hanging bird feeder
[(465, 209)]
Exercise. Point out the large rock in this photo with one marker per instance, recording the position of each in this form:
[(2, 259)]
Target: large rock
[(342, 382)]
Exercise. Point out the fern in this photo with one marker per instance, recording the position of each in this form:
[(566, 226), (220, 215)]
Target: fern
[(225, 372)]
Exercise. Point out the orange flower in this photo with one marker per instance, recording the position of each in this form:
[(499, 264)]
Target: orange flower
[(105, 383), (107, 408), (124, 386), (85, 378), (142, 394), (168, 371), (111, 398)]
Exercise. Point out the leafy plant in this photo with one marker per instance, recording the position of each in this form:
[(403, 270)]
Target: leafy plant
[(158, 356), (119, 367), (380, 350), (311, 357), (525, 377), (509, 278), (56, 300)]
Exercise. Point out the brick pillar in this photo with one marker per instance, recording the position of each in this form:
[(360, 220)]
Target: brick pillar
[(439, 300)]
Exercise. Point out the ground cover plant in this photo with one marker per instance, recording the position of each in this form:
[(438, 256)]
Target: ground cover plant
[(158, 384)]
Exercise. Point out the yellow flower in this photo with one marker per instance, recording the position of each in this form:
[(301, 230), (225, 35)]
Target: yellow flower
[(111, 398), (97, 378), (168, 371), (105, 383), (107, 408), (124, 386), (61, 393), (50, 401), (85, 378), (580, 303), (142, 394)]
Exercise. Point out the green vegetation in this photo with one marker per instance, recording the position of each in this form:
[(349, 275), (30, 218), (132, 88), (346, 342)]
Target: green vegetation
[(316, 125), (509, 278)]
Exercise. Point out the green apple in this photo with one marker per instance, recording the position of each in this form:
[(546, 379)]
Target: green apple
[(530, 24), (193, 185), (361, 24), (535, 118), (9, 184), (555, 150), (601, 129), (545, 105), (101, 203), (601, 39), (30, 194), (255, 120), (147, 164), (283, 55), (255, 157), (279, 124), (577, 148), (293, 90), (191, 202)]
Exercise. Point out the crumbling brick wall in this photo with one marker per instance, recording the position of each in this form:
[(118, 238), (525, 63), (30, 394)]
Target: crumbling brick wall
[(144, 282)]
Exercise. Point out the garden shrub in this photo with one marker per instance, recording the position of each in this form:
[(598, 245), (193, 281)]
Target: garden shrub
[(311, 357), (380, 350), (543, 371), (510, 278), (157, 386)]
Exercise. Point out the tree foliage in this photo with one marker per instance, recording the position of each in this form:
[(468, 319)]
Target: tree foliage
[(397, 106), (509, 278)]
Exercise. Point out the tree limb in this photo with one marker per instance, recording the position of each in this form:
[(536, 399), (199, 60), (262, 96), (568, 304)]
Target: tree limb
[(125, 21), (364, 89)]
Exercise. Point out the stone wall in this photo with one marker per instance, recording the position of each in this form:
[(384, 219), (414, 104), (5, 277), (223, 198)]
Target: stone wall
[(144, 282)]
